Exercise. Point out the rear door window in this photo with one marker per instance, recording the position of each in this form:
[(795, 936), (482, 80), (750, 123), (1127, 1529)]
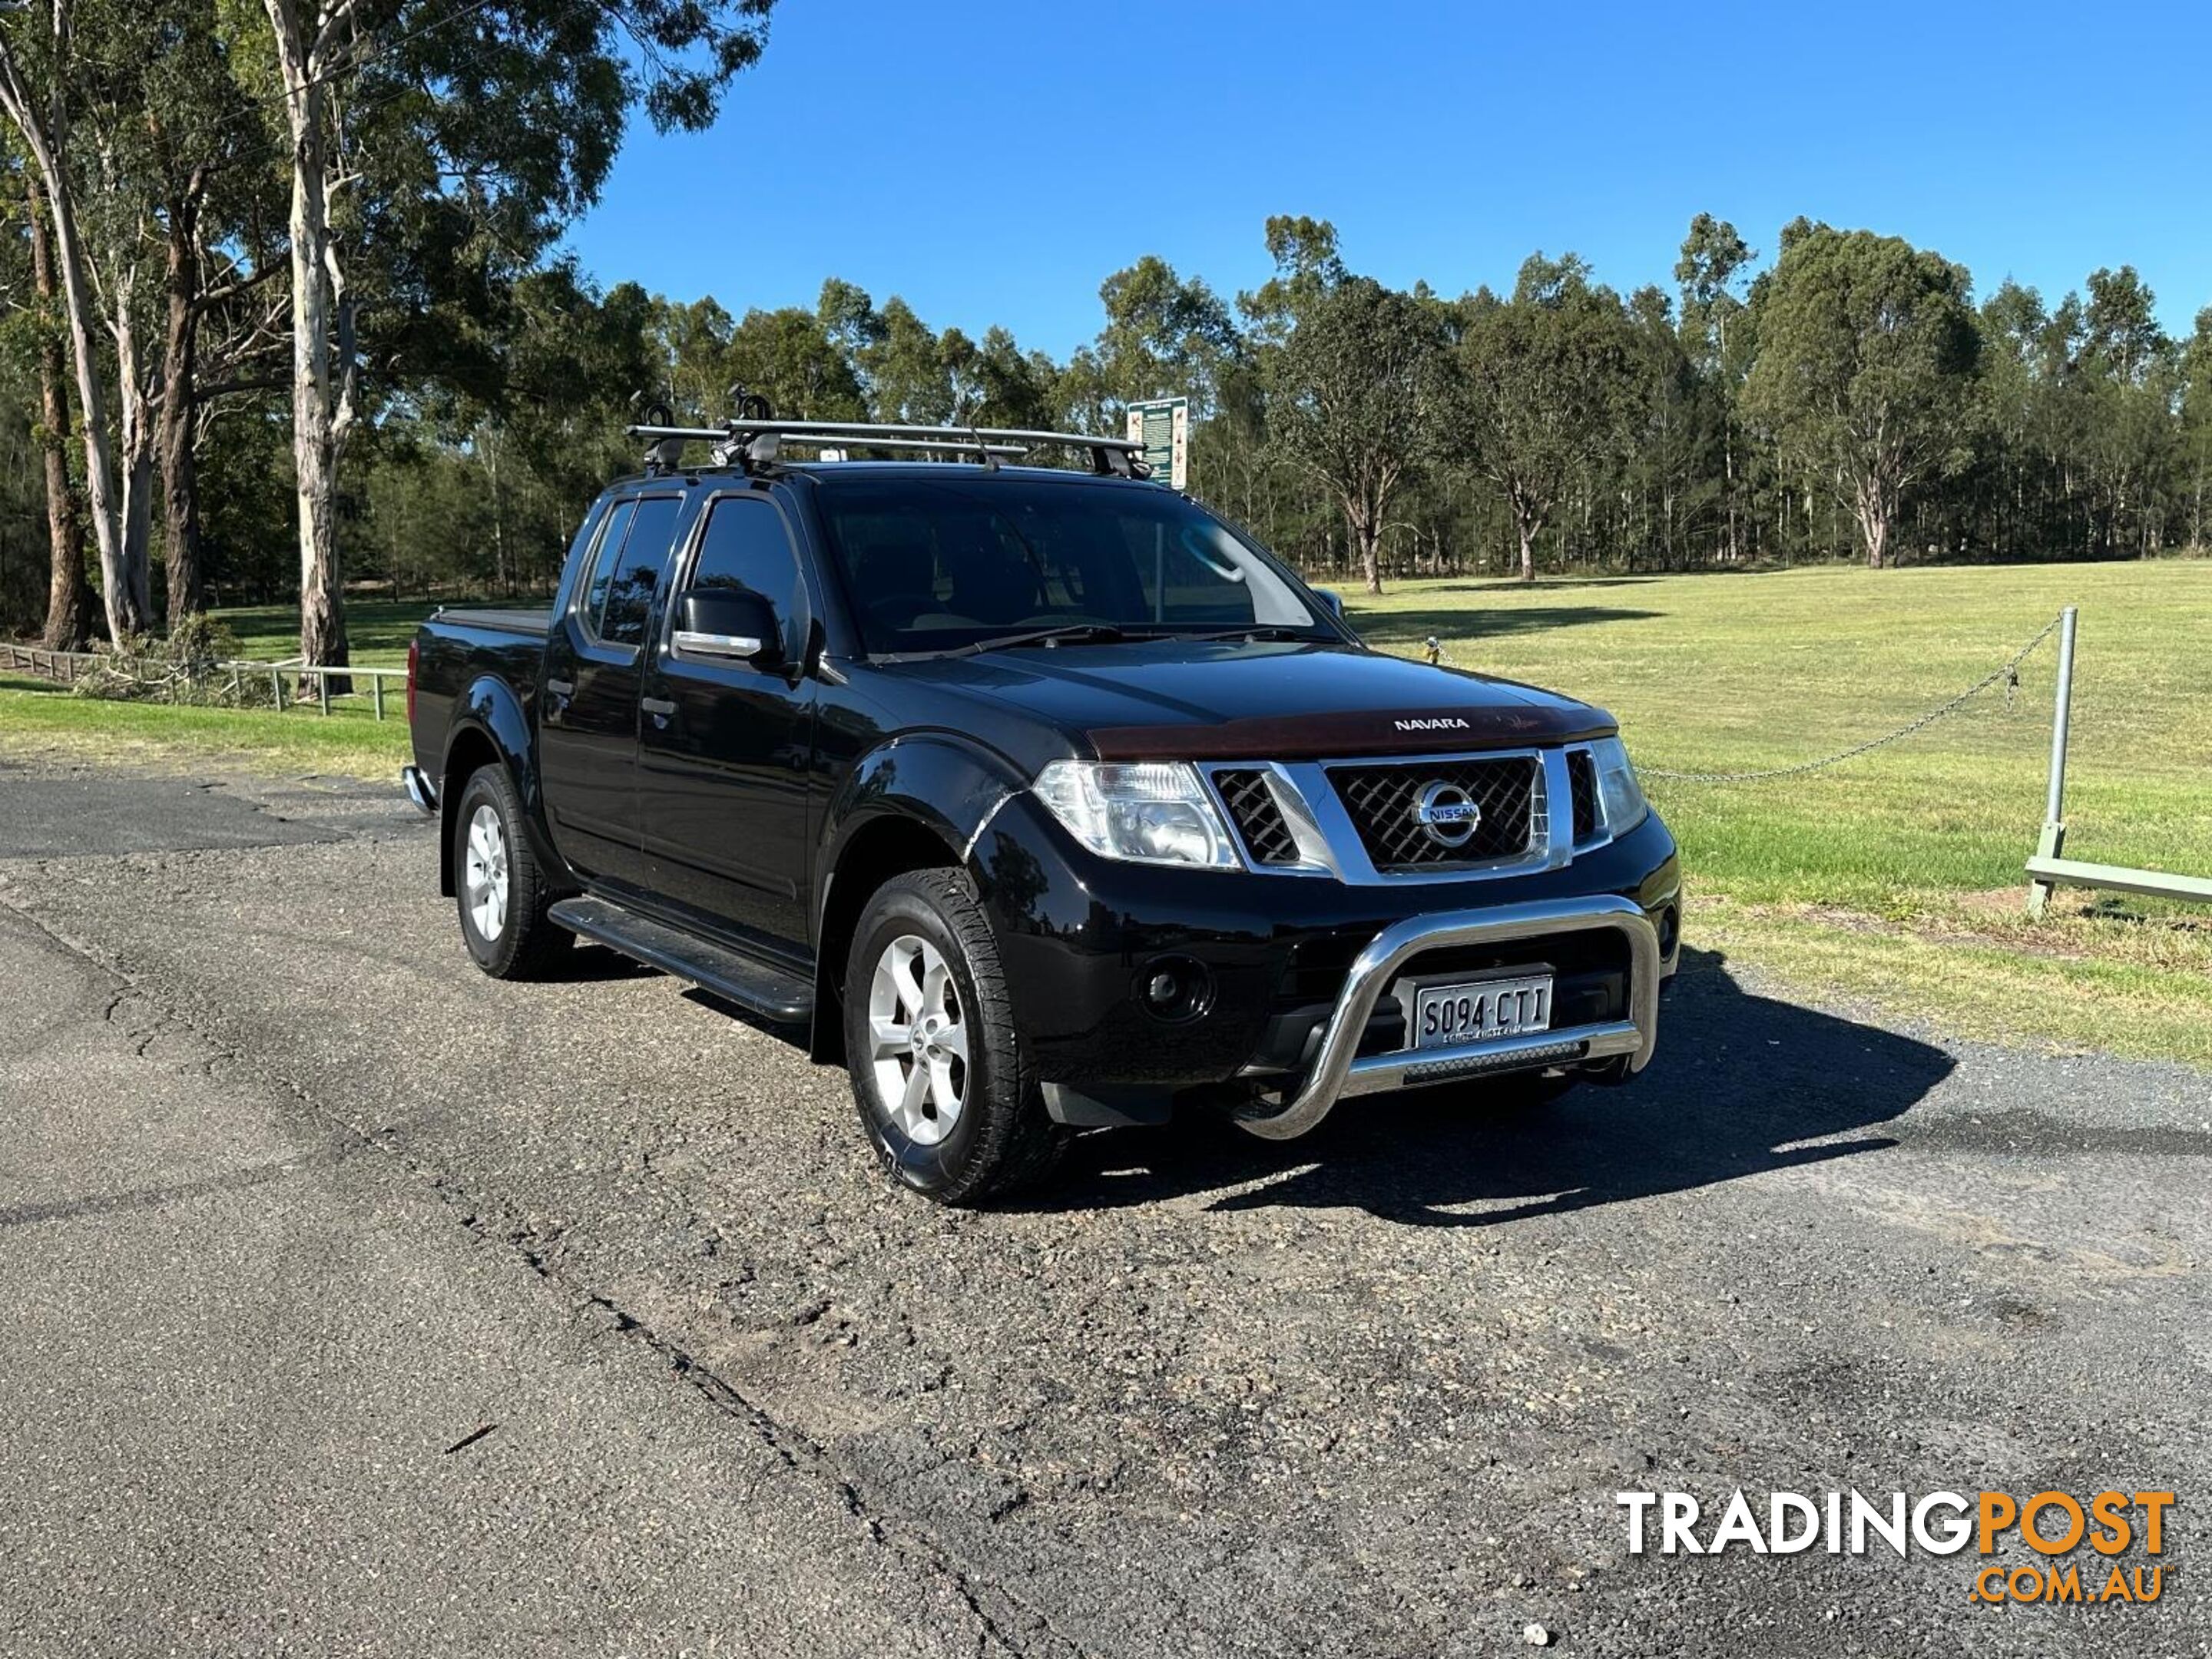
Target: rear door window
[(603, 566), (624, 583)]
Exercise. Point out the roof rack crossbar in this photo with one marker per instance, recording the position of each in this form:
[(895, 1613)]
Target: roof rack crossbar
[(901, 428), (938, 446), (756, 441)]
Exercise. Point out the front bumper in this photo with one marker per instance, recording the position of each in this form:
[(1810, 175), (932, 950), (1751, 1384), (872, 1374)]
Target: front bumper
[(1338, 1068), (1289, 967)]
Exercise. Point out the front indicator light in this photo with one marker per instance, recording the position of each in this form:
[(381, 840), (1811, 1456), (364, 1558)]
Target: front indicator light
[(1619, 795)]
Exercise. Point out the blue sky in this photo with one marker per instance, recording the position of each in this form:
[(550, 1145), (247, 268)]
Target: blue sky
[(993, 162)]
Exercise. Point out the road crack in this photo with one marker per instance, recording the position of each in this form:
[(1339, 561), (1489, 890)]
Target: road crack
[(998, 1612)]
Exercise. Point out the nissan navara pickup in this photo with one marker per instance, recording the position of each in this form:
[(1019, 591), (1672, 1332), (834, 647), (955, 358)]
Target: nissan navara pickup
[(1041, 798)]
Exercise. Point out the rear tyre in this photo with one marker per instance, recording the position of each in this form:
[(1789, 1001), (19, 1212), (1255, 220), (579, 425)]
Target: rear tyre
[(501, 893), (929, 1038)]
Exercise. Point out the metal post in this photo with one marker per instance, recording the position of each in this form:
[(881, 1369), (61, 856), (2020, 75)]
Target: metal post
[(2052, 842), (376, 689), (323, 689)]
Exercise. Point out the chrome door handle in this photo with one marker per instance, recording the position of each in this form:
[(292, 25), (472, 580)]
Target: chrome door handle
[(659, 707), (562, 688)]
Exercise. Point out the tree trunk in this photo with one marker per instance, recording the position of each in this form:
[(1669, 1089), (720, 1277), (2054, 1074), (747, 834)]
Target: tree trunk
[(69, 596), (134, 465), (1527, 532), (1728, 485), (321, 367), (1872, 508), (180, 495), (314, 437), (1368, 538), (123, 616)]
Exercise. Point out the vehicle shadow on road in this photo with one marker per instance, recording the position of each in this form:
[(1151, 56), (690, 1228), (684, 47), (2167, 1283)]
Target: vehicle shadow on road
[(1742, 1083), (590, 964)]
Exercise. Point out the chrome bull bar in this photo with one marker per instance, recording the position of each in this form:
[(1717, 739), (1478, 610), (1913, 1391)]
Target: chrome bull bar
[(1337, 1072)]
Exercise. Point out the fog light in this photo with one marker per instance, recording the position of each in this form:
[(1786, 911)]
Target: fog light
[(1174, 988)]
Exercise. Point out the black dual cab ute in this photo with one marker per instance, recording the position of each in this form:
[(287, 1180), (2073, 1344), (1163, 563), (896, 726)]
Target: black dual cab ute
[(1042, 799)]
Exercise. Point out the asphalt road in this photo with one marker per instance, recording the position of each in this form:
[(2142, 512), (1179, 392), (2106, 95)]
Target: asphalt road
[(356, 1304)]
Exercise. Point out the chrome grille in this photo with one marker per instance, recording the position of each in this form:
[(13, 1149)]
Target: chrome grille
[(1259, 820), (1383, 801)]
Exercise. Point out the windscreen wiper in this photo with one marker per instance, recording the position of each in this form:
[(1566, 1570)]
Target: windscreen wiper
[(1071, 633), (1259, 631)]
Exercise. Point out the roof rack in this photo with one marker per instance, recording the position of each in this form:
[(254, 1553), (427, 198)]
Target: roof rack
[(751, 442)]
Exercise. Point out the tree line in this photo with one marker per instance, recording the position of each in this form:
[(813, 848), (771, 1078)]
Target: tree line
[(282, 318)]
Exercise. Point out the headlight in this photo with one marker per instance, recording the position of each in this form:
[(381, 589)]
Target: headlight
[(1154, 813), (1618, 791)]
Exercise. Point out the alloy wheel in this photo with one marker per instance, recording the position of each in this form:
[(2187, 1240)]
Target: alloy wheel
[(918, 1038), (483, 875)]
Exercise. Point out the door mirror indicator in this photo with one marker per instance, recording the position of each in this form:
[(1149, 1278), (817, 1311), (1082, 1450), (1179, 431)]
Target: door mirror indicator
[(729, 625)]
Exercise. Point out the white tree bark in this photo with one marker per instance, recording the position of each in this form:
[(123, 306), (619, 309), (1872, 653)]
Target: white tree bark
[(134, 461), (323, 368), (44, 124)]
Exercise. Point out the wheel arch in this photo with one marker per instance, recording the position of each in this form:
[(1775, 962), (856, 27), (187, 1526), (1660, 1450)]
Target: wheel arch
[(488, 728), (888, 844), (916, 803)]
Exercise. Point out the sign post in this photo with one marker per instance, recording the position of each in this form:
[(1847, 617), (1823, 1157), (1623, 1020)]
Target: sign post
[(1163, 426)]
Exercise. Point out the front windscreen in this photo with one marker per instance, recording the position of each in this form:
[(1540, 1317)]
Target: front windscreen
[(934, 565)]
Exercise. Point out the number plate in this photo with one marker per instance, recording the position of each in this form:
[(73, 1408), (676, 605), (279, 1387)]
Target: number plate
[(1475, 1011)]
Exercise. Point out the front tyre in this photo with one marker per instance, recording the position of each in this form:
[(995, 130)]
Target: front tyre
[(501, 892), (929, 1037)]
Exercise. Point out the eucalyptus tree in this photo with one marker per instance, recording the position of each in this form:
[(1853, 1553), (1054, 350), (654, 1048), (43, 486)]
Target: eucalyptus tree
[(1164, 336), (42, 67), (2131, 376), (1357, 397), (68, 624), (786, 356), (1666, 454), (175, 159), (1545, 388), (2196, 418), (1710, 275), (511, 110), (1308, 268), (1011, 387), (1867, 354), (203, 146), (2013, 385), (908, 368)]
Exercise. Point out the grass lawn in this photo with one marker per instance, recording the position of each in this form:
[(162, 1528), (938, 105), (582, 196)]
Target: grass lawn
[(1895, 878), (38, 719), (378, 630)]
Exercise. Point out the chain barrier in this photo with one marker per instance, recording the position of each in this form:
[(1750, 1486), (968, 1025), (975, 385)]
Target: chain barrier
[(2008, 675)]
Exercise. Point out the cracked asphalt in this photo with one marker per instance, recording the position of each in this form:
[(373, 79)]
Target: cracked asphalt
[(357, 1304)]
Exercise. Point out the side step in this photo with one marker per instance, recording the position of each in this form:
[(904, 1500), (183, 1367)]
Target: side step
[(774, 993)]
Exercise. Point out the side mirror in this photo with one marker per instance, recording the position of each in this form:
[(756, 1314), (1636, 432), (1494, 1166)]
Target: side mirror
[(1335, 601), (730, 625)]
